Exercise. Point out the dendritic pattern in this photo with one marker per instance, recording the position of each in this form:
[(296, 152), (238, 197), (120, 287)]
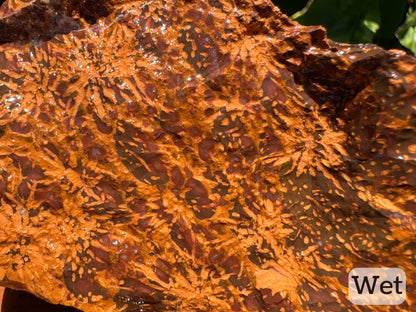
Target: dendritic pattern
[(200, 155)]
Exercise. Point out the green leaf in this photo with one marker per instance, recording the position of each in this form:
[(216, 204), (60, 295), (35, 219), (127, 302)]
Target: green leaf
[(372, 20), (407, 32), (290, 7), (371, 25), (356, 21), (344, 20)]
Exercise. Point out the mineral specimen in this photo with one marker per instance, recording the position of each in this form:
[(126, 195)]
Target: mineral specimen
[(199, 155)]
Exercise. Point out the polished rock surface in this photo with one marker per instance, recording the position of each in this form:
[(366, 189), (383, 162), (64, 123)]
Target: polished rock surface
[(199, 155)]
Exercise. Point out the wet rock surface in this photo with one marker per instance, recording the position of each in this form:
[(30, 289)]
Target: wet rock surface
[(199, 156)]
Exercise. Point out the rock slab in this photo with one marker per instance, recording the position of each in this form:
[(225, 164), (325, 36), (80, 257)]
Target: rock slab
[(199, 155)]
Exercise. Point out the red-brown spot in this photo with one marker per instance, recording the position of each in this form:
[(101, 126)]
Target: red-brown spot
[(101, 258), (177, 176), (101, 125), (198, 191), (251, 301), (44, 117), (272, 90), (161, 274), (23, 190), (23, 163), (215, 255), (50, 195), (3, 186), (236, 307), (113, 114), (132, 106), (97, 152), (205, 148), (231, 265), (139, 205), (195, 131), (151, 91), (20, 127), (410, 206), (83, 283)]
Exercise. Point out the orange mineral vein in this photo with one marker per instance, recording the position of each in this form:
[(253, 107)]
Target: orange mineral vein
[(199, 156)]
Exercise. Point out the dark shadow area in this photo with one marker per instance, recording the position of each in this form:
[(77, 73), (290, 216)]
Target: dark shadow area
[(21, 301), (290, 7), (42, 20), (345, 20)]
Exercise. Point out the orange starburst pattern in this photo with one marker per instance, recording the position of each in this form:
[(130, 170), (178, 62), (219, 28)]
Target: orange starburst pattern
[(203, 155)]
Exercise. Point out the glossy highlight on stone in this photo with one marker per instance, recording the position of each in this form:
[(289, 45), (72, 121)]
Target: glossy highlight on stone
[(199, 155)]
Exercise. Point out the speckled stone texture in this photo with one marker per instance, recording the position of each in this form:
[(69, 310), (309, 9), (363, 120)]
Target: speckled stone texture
[(199, 155)]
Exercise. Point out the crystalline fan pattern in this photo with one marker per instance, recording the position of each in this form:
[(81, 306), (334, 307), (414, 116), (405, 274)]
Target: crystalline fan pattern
[(199, 156)]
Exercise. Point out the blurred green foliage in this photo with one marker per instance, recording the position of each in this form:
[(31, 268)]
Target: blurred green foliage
[(388, 23)]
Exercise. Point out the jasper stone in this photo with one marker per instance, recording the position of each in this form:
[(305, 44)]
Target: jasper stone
[(199, 155)]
